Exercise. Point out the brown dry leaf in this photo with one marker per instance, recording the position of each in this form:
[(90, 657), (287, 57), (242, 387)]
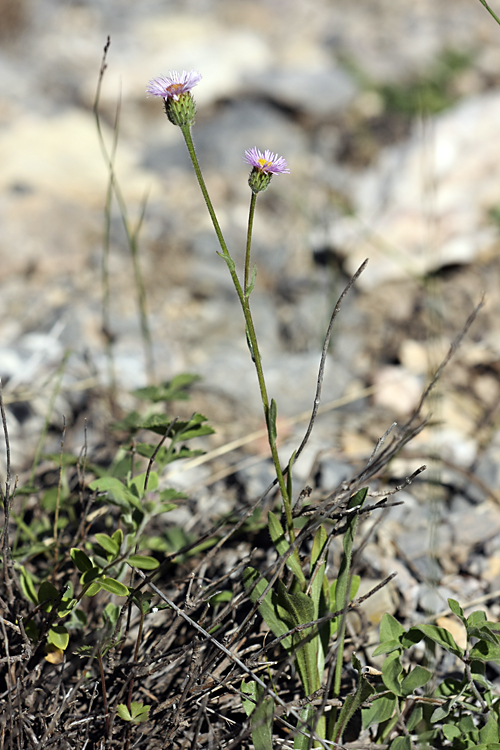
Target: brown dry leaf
[(53, 654)]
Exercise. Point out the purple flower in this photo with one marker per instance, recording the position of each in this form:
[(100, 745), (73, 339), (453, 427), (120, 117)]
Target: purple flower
[(267, 162), (173, 85)]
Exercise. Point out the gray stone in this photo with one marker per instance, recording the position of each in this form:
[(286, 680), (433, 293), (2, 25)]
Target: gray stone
[(389, 223), (317, 93), (433, 599)]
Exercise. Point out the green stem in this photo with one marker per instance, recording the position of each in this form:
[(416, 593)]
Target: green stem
[(252, 337), (136, 657), (251, 213), (104, 693), (497, 19), (186, 132), (131, 234)]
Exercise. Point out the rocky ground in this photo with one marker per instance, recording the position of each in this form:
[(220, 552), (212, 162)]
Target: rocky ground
[(389, 118)]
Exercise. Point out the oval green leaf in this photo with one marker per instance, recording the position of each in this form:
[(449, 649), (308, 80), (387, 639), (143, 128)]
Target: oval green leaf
[(81, 560), (94, 588), (58, 636), (114, 586), (107, 543), (143, 562)]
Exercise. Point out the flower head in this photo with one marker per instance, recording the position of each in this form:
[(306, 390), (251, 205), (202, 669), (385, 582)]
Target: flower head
[(175, 90), (264, 166), (173, 85), (266, 162)]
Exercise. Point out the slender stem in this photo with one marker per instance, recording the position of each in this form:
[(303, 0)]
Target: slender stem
[(251, 213), (186, 132), (7, 500), (104, 693), (58, 499), (136, 656), (131, 234), (497, 19), (252, 336)]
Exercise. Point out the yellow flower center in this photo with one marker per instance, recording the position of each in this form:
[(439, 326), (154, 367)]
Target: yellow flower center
[(264, 163), (175, 89)]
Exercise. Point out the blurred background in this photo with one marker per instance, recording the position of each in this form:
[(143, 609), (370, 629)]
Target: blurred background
[(389, 117)]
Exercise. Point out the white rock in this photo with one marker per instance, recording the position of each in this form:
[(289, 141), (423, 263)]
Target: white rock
[(424, 204), (397, 388), (61, 156)]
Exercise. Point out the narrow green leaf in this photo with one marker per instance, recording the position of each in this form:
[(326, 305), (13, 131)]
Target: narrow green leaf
[(317, 589), (302, 739), (440, 636), (289, 477), (358, 500), (118, 538), (107, 543), (66, 606), (354, 701), (28, 585), (143, 562), (261, 715), (318, 546), (387, 647), (230, 262), (47, 593), (280, 541), (271, 420), (341, 597), (268, 609), (81, 560), (300, 608), (249, 344), (251, 284), (114, 587), (457, 610)]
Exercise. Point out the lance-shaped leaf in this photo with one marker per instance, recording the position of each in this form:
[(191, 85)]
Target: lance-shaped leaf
[(282, 545), (354, 701), (261, 712)]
